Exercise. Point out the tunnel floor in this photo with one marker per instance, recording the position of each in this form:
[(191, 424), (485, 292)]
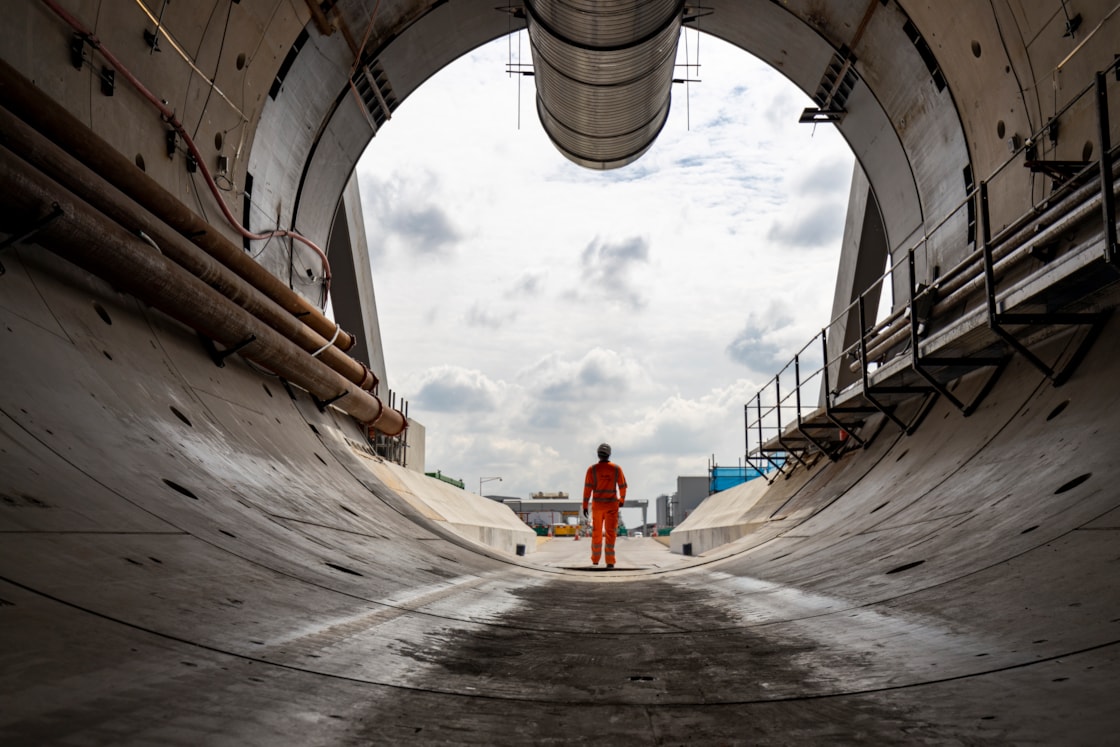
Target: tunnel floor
[(199, 555)]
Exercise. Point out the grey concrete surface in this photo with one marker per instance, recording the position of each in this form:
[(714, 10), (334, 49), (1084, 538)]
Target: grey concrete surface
[(237, 575), (631, 554), (199, 555)]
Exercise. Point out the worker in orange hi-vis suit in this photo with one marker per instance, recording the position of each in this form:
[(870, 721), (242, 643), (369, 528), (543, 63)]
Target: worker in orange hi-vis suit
[(605, 487)]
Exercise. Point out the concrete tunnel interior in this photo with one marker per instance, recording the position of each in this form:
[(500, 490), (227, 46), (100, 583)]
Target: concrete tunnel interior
[(196, 553)]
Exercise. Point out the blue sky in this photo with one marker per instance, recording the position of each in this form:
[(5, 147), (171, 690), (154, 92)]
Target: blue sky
[(531, 309)]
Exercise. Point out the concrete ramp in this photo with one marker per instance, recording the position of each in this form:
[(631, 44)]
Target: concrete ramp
[(467, 514), (199, 555), (720, 519)]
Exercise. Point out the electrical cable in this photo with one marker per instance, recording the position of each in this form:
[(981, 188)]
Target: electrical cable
[(1018, 82), (198, 199), (169, 117), (334, 337), (217, 63), (186, 57), (149, 240)]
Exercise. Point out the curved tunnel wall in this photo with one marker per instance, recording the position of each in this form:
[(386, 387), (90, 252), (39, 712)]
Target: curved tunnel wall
[(175, 533)]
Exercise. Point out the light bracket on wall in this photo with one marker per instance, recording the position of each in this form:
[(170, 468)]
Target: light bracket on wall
[(813, 115), (831, 96)]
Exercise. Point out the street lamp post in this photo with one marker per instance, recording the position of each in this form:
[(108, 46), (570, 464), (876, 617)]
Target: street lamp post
[(486, 479)]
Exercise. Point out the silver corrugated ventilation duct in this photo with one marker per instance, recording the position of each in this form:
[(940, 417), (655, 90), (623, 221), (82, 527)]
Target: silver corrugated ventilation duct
[(603, 72)]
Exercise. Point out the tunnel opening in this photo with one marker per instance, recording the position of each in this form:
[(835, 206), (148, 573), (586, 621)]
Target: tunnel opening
[(518, 306)]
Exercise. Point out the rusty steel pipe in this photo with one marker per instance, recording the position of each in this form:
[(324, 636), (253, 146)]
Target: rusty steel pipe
[(95, 243), (59, 166), (1077, 208), (48, 117)]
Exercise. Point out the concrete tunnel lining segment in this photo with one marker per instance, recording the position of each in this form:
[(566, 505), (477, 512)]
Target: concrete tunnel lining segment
[(200, 555), (281, 603)]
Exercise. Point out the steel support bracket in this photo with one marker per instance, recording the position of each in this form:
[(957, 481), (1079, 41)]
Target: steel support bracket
[(323, 404), (831, 412), (869, 391), (151, 38), (29, 233), (108, 81), (996, 320), (918, 363), (77, 50), (814, 115), (802, 427), (219, 356), (778, 414), (766, 455), (1059, 171), (1104, 142)]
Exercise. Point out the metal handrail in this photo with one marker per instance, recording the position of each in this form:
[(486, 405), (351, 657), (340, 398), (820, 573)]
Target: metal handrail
[(876, 340)]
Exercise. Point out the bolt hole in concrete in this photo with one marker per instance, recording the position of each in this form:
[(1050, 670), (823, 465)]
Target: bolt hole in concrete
[(1073, 483), (181, 416), (228, 534), (140, 162), (267, 390), (1028, 530), (344, 508), (324, 461), (1057, 410), (179, 488), (344, 569), (975, 48), (106, 354), (1087, 150), (881, 505), (101, 312), (641, 678), (902, 455), (313, 428), (906, 567), (1001, 129)]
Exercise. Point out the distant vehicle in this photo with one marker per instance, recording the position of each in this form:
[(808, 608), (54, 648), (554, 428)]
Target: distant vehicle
[(636, 534)]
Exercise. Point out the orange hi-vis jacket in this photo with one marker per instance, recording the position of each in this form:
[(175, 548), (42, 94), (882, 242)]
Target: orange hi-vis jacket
[(600, 483)]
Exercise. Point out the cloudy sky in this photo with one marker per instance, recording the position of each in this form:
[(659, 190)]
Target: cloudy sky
[(531, 309)]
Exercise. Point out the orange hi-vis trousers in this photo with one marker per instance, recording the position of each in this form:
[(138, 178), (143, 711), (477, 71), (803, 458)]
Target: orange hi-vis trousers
[(604, 521)]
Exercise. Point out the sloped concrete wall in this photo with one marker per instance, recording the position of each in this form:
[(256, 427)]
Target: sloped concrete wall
[(194, 554)]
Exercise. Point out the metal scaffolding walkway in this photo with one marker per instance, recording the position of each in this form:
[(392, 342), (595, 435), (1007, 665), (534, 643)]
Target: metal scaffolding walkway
[(1046, 274)]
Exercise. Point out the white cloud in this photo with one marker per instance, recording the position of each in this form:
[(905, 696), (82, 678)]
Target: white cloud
[(813, 226), (607, 271), (480, 316), (401, 214), (600, 374), (531, 309), (454, 389)]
